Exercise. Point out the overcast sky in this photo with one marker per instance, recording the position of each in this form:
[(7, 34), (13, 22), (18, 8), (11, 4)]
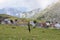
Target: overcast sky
[(26, 4)]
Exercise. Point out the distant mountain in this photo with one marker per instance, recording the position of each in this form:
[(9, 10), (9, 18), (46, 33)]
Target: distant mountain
[(10, 11), (30, 14), (52, 13), (18, 13), (2, 11)]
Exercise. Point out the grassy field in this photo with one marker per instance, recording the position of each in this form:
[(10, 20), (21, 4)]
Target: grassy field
[(10, 32)]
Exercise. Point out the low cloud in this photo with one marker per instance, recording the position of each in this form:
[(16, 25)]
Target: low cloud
[(29, 4)]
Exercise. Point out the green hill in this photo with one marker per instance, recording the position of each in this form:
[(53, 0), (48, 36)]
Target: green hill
[(2, 16), (52, 13), (7, 16)]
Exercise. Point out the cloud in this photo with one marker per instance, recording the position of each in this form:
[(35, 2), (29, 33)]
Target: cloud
[(29, 4), (2, 1), (33, 4)]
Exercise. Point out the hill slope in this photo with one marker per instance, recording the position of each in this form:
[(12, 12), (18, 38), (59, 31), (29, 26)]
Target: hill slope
[(7, 32), (7, 16), (52, 13)]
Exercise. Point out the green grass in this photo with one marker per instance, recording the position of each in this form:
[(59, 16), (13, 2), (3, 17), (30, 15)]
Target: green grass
[(22, 33), (10, 17)]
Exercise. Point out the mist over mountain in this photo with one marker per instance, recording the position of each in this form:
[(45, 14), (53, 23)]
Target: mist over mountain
[(25, 12), (51, 13), (18, 12)]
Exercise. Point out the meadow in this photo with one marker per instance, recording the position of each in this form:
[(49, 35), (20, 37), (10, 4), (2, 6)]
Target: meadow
[(12, 32)]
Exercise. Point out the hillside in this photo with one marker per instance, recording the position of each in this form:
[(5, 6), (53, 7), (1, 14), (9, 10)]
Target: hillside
[(2, 16), (7, 16), (7, 32), (52, 13), (42, 12)]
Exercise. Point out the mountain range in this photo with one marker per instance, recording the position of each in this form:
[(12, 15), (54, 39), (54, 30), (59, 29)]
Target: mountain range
[(18, 13), (36, 13)]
